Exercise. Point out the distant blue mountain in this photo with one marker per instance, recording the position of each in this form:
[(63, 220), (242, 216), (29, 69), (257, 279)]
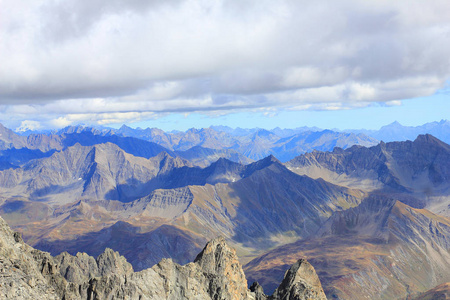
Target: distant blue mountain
[(241, 143), (397, 132)]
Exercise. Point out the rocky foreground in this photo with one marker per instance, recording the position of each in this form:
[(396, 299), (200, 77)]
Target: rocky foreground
[(27, 273)]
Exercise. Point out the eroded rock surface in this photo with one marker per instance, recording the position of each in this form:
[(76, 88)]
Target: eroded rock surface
[(300, 283), (27, 273)]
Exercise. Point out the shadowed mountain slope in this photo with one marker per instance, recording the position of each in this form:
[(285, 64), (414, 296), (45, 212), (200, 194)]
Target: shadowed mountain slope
[(381, 249), (420, 170), (256, 206), (18, 150), (102, 171), (203, 157)]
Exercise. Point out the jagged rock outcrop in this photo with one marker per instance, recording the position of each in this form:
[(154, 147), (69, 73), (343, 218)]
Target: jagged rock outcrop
[(258, 290), (216, 273), (220, 265), (22, 272), (300, 283)]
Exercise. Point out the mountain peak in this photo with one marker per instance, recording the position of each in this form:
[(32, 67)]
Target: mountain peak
[(301, 282), (266, 161), (271, 159), (262, 164), (394, 124), (111, 262), (222, 161), (163, 155), (213, 250), (125, 127), (425, 138), (430, 139), (220, 263)]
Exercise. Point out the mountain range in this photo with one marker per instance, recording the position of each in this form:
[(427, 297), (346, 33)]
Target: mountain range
[(246, 141), (373, 220), (397, 132), (245, 147), (254, 144)]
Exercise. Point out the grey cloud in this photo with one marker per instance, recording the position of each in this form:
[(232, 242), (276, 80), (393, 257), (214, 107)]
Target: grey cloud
[(74, 19), (164, 56)]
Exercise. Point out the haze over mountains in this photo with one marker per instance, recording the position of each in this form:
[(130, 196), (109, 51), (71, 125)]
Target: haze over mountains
[(256, 143), (253, 143), (397, 132), (152, 195)]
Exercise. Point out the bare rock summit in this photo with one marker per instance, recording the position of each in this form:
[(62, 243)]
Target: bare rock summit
[(300, 283)]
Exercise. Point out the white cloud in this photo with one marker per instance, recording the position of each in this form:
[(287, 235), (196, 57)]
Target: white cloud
[(105, 60), (29, 125), (102, 118), (60, 122), (393, 103)]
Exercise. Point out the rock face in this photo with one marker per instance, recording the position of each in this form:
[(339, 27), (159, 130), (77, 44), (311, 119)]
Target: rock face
[(220, 264), (300, 283), (396, 165), (102, 171), (417, 170), (381, 249), (27, 273), (23, 270)]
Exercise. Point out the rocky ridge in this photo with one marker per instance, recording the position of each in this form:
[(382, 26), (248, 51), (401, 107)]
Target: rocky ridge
[(358, 248), (441, 292), (27, 273), (419, 170)]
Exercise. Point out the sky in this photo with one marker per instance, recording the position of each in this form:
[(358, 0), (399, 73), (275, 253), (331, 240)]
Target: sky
[(178, 64)]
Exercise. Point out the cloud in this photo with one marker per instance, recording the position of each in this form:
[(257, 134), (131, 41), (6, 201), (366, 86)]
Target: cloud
[(105, 60), (29, 125)]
